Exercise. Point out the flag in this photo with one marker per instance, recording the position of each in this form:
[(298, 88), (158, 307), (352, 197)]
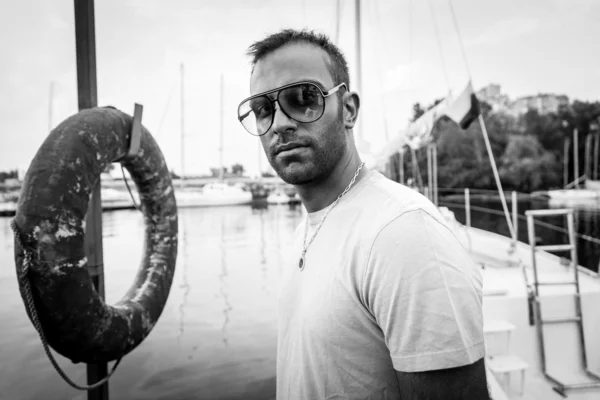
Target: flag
[(419, 131), (465, 108)]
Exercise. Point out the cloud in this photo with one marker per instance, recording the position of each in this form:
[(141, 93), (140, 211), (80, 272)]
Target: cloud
[(505, 30)]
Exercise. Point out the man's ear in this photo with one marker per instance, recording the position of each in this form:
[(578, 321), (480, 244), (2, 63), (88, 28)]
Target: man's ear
[(351, 107)]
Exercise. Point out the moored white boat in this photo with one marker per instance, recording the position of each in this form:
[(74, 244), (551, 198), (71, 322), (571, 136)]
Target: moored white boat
[(573, 197), (278, 197), (591, 184), (213, 194)]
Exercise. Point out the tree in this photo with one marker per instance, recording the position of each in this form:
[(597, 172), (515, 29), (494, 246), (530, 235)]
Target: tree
[(547, 128), (110, 167), (12, 174), (417, 112), (237, 169), (528, 148), (485, 108), (527, 166), (215, 173)]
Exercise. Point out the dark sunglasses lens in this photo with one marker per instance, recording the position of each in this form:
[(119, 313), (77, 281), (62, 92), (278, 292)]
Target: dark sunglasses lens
[(304, 102), (256, 115)]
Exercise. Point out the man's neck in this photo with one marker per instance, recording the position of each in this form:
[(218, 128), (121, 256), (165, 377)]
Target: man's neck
[(317, 196)]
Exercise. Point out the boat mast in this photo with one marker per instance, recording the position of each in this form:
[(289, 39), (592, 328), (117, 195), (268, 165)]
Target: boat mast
[(182, 141), (338, 6), (358, 70), (221, 91), (259, 147), (50, 106)]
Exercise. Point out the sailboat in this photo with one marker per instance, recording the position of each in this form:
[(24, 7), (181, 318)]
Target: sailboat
[(538, 310), (214, 193)]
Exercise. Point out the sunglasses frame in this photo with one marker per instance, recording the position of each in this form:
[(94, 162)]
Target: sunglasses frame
[(276, 99)]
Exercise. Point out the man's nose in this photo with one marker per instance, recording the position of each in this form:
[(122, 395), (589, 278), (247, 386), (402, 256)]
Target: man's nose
[(281, 122)]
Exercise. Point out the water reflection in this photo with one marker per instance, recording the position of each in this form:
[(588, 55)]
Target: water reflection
[(7, 233), (223, 288), (182, 259), (263, 259)]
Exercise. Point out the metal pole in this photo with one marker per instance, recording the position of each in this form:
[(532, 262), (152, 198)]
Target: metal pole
[(85, 43), (221, 91), (468, 207), (260, 150), (429, 174), (589, 138), (401, 152), (435, 175), (337, 22), (576, 156), (515, 214), (596, 149), (566, 162), (496, 175), (182, 112), (358, 68)]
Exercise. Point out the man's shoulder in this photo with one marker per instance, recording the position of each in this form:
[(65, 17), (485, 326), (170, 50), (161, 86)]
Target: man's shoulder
[(388, 200)]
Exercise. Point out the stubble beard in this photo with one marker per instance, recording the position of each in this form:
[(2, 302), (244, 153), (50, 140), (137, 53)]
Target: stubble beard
[(325, 153)]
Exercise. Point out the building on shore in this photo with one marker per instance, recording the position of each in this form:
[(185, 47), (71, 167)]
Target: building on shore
[(544, 103)]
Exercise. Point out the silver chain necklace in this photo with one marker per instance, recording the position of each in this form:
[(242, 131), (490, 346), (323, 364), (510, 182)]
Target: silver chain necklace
[(302, 263)]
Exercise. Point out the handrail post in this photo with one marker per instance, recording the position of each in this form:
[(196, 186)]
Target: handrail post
[(589, 138), (401, 166), (429, 172), (567, 143), (468, 207), (435, 175), (576, 156), (515, 210), (596, 150)]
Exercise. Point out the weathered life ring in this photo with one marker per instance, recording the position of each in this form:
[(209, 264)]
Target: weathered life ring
[(50, 218)]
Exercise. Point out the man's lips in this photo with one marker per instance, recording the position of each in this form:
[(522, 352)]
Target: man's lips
[(287, 147)]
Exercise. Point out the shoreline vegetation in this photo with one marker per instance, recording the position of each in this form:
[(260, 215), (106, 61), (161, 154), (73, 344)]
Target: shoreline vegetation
[(531, 150)]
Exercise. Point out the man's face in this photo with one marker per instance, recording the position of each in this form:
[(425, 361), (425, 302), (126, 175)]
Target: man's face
[(322, 142)]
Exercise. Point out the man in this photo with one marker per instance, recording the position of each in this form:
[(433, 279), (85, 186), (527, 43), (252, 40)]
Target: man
[(379, 300)]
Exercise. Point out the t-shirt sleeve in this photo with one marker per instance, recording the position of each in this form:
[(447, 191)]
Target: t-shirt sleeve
[(425, 293)]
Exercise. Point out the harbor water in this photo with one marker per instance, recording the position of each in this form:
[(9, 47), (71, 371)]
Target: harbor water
[(216, 338)]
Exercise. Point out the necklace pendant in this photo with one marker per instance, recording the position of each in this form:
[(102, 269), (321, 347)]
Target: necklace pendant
[(301, 262)]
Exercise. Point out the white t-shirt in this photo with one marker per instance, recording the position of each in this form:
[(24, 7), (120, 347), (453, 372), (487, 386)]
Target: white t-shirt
[(386, 286)]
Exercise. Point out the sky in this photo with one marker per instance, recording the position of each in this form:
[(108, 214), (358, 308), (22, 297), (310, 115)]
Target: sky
[(410, 52)]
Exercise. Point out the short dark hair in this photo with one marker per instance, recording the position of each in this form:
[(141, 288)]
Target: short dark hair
[(337, 65)]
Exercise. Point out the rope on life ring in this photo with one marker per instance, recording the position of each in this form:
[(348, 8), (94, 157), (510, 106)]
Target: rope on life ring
[(53, 278)]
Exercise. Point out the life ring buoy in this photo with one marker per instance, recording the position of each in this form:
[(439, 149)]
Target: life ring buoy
[(51, 217)]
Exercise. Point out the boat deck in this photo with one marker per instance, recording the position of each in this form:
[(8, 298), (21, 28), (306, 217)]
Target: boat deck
[(506, 304)]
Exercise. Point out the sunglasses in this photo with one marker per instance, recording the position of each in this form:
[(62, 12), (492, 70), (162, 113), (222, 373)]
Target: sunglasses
[(301, 101)]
